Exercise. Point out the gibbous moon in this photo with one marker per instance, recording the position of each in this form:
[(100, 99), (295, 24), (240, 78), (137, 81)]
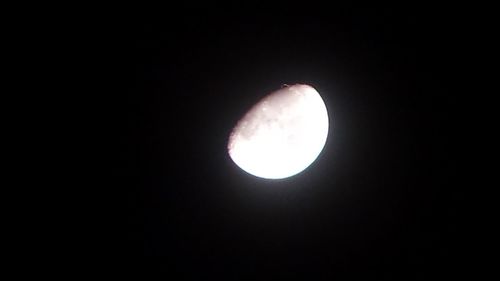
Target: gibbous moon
[(282, 134)]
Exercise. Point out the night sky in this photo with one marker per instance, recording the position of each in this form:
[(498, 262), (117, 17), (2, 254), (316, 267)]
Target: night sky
[(381, 201)]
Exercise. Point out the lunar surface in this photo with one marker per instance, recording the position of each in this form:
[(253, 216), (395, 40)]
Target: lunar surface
[(282, 134)]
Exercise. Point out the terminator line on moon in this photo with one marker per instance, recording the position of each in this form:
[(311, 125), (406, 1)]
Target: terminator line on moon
[(282, 134)]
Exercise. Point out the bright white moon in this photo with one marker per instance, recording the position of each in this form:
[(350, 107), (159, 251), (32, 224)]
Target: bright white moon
[(282, 134)]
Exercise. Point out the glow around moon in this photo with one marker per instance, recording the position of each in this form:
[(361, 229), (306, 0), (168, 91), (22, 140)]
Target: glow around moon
[(281, 135)]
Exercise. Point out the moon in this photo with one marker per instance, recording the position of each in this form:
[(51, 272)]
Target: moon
[(282, 134)]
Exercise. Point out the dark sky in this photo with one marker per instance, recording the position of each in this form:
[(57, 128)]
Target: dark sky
[(381, 201)]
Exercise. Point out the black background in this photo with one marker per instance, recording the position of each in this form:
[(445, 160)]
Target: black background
[(381, 201)]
